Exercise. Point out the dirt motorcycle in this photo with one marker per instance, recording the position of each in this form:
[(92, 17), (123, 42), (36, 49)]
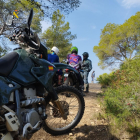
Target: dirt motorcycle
[(69, 76), (28, 100)]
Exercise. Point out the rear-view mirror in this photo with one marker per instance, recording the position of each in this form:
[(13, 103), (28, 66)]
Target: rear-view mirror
[(30, 18)]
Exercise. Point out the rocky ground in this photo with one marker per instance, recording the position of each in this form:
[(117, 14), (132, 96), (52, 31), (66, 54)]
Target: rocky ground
[(90, 127)]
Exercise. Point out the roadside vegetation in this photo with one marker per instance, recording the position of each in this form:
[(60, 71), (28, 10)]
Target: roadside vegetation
[(121, 102)]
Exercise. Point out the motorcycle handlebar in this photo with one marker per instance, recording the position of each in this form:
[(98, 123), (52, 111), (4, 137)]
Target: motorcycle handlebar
[(23, 37)]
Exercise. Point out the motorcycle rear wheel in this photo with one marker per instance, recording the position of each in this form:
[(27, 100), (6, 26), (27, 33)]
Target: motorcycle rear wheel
[(73, 106), (68, 82)]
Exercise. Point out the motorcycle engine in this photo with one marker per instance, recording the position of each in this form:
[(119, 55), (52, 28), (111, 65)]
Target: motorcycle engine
[(30, 93), (30, 116)]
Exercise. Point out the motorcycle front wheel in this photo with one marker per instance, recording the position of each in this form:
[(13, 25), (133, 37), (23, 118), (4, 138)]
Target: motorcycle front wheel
[(74, 109)]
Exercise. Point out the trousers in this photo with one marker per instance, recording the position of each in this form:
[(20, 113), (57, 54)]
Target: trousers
[(85, 78)]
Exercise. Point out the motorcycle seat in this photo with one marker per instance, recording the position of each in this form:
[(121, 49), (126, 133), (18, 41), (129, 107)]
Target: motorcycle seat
[(7, 63)]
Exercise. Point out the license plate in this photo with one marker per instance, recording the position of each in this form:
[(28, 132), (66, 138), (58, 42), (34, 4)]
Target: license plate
[(66, 75)]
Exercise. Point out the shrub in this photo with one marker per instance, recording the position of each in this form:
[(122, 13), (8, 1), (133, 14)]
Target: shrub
[(105, 79), (122, 98)]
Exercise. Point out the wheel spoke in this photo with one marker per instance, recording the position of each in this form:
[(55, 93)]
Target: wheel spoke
[(71, 103), (58, 121)]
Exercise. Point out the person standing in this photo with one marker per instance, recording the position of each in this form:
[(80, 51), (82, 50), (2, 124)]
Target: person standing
[(53, 57), (86, 67), (73, 59), (92, 76)]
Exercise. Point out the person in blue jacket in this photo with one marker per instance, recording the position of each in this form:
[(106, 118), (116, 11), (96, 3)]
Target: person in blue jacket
[(53, 57)]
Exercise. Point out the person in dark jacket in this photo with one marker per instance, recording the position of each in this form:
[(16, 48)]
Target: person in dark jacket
[(86, 67)]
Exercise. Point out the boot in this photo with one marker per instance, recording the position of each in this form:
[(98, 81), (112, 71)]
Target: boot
[(87, 88), (85, 85)]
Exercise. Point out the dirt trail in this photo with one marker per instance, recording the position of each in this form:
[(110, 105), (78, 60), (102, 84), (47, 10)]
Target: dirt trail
[(89, 128)]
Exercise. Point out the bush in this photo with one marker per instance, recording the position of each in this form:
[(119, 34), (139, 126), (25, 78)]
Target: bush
[(122, 98), (105, 79)]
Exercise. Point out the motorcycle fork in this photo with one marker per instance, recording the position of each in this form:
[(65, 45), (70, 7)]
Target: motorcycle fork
[(59, 106)]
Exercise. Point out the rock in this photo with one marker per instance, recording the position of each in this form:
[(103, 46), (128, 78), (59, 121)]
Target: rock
[(70, 134), (92, 123), (80, 134)]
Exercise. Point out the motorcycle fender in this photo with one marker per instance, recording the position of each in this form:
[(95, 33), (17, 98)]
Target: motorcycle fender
[(7, 137), (44, 73), (6, 90), (64, 66)]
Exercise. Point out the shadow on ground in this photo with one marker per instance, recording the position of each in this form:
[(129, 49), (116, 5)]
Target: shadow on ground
[(89, 132)]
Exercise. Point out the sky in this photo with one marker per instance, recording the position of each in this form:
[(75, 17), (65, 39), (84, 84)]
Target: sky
[(88, 20)]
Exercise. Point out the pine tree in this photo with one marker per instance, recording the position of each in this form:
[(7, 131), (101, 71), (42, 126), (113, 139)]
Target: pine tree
[(59, 35)]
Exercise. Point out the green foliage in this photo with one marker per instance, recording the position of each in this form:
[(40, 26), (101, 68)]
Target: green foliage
[(119, 42), (49, 6), (42, 8), (122, 98), (23, 7), (3, 50), (59, 35), (105, 79)]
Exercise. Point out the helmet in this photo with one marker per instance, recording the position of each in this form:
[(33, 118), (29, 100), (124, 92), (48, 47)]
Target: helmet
[(55, 50), (85, 55), (74, 50)]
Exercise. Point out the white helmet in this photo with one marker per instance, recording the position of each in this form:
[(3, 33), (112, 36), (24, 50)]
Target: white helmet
[(55, 49)]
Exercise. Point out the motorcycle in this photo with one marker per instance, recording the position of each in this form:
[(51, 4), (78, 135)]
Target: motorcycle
[(69, 76), (71, 79), (28, 100)]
